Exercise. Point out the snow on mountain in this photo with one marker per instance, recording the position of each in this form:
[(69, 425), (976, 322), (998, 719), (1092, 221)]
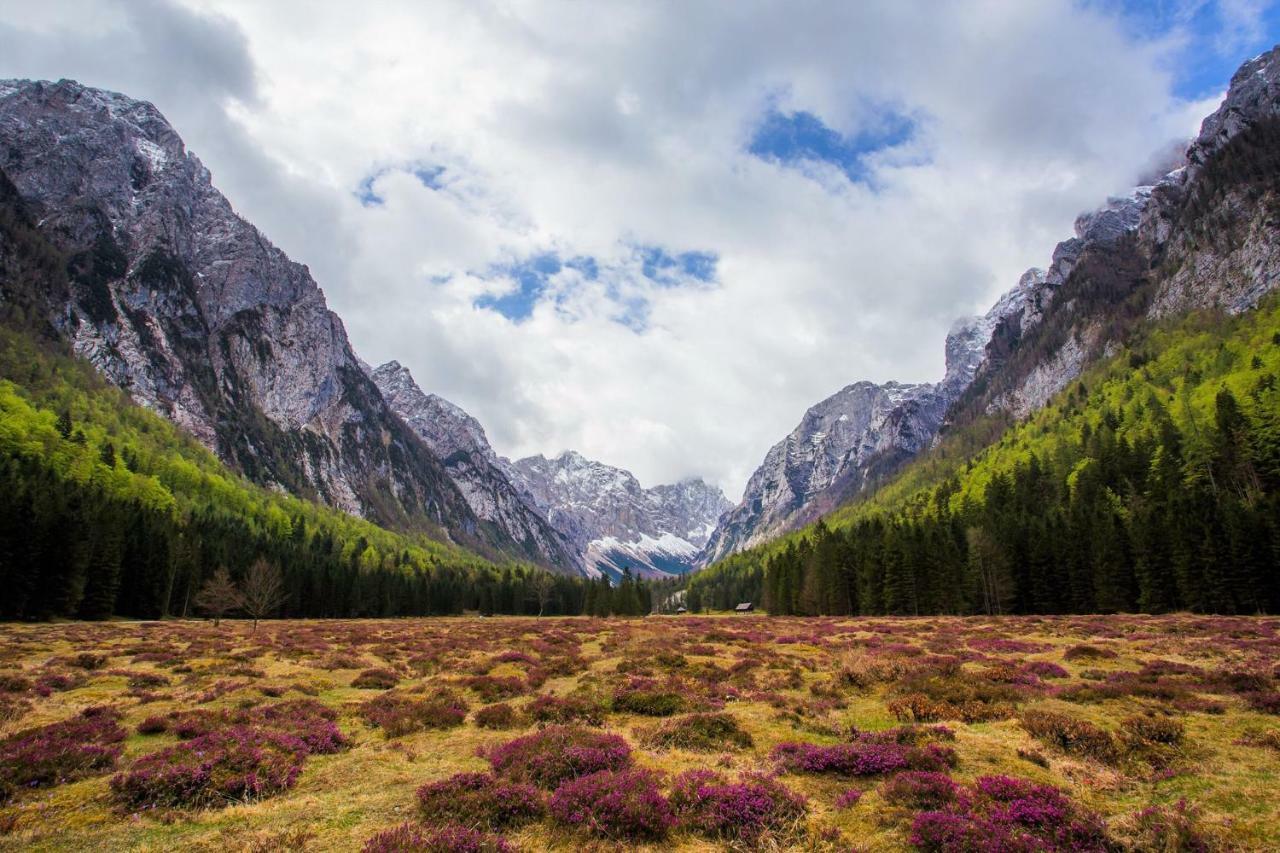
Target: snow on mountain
[(613, 521)]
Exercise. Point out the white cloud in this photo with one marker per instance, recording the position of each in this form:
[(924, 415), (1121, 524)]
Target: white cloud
[(587, 129)]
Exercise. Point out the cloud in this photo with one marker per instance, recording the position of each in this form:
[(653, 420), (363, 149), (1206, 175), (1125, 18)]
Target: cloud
[(654, 232)]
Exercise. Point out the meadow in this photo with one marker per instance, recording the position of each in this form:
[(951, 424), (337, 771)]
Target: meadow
[(661, 733)]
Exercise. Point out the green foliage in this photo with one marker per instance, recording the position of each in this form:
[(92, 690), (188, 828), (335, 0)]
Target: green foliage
[(1151, 484), (107, 508)]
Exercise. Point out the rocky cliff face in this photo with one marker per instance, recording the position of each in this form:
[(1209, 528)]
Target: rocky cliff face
[(1201, 234), (460, 442), (190, 309), (1200, 237), (615, 522)]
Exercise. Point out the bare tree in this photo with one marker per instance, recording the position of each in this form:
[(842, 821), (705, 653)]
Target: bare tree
[(219, 596), (543, 586), (263, 590)]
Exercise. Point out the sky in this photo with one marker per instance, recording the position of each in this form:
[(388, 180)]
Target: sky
[(657, 232)]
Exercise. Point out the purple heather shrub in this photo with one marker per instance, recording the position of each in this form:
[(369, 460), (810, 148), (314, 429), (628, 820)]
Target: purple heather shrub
[(920, 789), (60, 752), (309, 721), (565, 709), (1264, 701), (154, 725), (411, 838), (238, 764), (480, 800), (1047, 669), (500, 716), (842, 759), (399, 715), (618, 805), (848, 799), (1006, 814), (548, 757), (704, 802), (495, 688)]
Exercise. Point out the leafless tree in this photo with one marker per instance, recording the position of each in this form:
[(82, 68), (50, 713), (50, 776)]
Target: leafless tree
[(219, 596), (543, 586), (263, 590)]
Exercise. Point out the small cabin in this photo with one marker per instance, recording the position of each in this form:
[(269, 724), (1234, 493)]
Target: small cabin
[(744, 607)]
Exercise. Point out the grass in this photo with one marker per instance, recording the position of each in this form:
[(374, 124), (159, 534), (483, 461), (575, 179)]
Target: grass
[(772, 677)]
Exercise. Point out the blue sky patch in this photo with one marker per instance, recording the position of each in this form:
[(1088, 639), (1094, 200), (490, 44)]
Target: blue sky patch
[(667, 269), (798, 137), (1216, 45), (428, 174), (530, 276)]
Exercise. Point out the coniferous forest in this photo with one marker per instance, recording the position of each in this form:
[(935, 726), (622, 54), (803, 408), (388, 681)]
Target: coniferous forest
[(1152, 485)]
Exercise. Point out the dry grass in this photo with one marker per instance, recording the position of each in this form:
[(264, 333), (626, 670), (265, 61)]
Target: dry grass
[(1174, 700)]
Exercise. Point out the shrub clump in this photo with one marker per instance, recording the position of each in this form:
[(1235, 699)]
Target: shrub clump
[(565, 709), (493, 688), (60, 752), (648, 702), (411, 838), (1175, 827), (378, 678), (1003, 813), (1071, 735), (704, 802), (399, 715), (479, 800), (920, 789), (700, 732), (1084, 651), (500, 716), (549, 757), (872, 753), (239, 764), (619, 805)]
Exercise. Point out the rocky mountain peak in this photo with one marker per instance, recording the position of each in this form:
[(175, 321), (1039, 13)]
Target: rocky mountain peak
[(193, 312)]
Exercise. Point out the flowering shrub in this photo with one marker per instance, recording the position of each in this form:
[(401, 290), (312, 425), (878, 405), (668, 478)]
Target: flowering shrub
[(60, 752), (705, 803), (1047, 669), (920, 789), (617, 805), (399, 715), (557, 753), (307, 720), (848, 799), (478, 799), (1077, 737), (1264, 701), (153, 725), (500, 716), (376, 679), (566, 709), (1002, 813), (842, 759), (707, 732), (238, 764), (409, 838), (494, 688)]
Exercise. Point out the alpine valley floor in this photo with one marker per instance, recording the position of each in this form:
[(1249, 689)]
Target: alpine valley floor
[(690, 732)]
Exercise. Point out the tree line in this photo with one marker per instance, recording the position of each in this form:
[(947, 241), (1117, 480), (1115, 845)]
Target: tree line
[(1158, 492)]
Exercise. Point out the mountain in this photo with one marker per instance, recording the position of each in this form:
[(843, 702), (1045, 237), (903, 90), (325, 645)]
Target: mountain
[(1190, 249), (191, 310), (865, 432), (460, 442), (613, 521), (860, 435)]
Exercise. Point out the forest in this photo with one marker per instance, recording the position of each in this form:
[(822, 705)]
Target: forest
[(1152, 484), (107, 509)]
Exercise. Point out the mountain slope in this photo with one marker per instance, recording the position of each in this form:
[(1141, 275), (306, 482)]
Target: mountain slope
[(461, 444), (613, 521), (1201, 238), (190, 309)]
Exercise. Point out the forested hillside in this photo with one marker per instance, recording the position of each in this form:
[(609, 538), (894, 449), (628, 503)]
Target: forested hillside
[(1152, 483)]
